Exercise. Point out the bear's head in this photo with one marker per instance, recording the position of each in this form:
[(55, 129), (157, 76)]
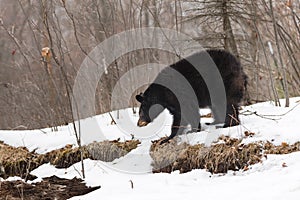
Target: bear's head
[(150, 108)]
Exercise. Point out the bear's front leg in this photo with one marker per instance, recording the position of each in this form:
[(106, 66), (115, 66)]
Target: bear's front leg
[(190, 117), (176, 128)]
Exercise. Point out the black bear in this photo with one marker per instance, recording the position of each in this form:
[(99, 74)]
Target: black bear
[(175, 86)]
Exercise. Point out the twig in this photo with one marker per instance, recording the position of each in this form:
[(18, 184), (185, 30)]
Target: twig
[(235, 119), (80, 174), (67, 86), (131, 183), (284, 82), (248, 112), (112, 119)]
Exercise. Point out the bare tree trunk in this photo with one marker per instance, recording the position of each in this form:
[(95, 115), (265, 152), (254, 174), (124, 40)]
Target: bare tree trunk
[(284, 78), (272, 85), (229, 40)]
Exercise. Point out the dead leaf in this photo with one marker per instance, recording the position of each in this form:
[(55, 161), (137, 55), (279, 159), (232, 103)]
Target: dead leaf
[(284, 164)]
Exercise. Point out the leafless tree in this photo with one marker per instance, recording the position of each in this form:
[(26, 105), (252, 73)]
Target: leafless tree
[(35, 92)]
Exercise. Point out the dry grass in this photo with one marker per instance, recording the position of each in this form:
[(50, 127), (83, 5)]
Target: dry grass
[(110, 150), (190, 158), (227, 154), (223, 157), (64, 157), (164, 155), (209, 115), (16, 161), (20, 162), (284, 148)]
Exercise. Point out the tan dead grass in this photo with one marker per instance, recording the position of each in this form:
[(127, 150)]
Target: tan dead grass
[(164, 155), (16, 161), (64, 157), (284, 148), (20, 162), (226, 154), (110, 150)]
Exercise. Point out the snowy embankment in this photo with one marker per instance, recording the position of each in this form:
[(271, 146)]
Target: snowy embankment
[(277, 177)]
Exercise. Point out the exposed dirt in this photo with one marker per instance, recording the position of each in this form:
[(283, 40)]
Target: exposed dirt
[(49, 188)]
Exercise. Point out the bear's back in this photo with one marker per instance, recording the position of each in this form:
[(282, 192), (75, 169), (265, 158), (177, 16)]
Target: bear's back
[(229, 67)]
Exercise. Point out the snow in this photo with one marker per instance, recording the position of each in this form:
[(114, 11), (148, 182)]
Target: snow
[(40, 140), (130, 177)]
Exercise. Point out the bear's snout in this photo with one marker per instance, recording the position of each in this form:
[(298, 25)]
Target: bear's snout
[(142, 123)]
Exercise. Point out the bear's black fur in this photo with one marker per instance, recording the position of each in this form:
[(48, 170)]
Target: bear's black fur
[(187, 111)]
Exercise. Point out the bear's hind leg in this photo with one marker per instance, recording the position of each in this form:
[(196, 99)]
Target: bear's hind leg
[(232, 116), (199, 127), (218, 119)]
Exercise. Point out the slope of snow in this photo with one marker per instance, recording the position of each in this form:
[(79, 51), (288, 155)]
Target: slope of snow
[(131, 177)]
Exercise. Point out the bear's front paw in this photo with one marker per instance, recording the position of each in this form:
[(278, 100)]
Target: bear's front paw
[(166, 140)]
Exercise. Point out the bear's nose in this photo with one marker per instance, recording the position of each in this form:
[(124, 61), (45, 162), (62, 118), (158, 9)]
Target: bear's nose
[(142, 123)]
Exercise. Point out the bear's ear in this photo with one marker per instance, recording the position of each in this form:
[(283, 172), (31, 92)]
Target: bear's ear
[(139, 97)]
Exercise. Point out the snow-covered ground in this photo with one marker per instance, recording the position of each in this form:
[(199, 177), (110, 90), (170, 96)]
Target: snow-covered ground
[(130, 177)]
